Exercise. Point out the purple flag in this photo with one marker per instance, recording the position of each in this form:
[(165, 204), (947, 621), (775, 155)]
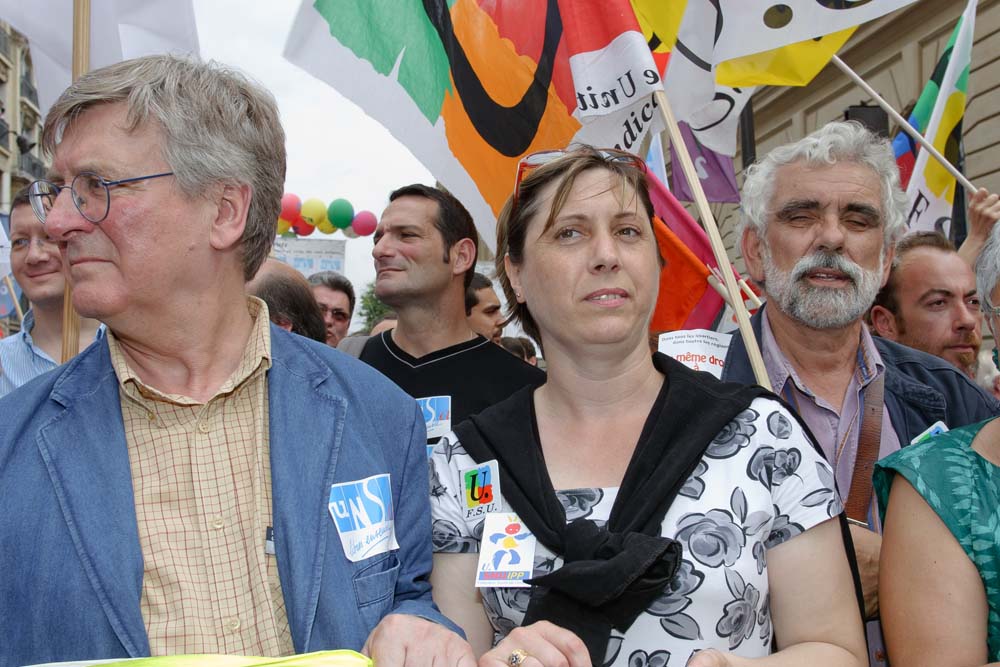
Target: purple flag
[(718, 178)]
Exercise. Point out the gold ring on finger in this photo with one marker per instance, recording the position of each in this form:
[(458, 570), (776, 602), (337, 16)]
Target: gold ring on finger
[(517, 657)]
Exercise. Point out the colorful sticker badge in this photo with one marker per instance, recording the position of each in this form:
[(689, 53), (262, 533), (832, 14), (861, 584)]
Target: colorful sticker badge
[(506, 553), (481, 487), (363, 513), (437, 415), (937, 428)]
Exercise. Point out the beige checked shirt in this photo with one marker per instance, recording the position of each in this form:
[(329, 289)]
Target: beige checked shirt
[(202, 481)]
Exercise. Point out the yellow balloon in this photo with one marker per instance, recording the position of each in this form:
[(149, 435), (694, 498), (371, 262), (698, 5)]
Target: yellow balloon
[(283, 226), (326, 227), (313, 212)]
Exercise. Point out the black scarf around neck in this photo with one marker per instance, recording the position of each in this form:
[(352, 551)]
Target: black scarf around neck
[(610, 574)]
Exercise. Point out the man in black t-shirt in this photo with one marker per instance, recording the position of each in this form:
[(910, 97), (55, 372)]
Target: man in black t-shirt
[(425, 255)]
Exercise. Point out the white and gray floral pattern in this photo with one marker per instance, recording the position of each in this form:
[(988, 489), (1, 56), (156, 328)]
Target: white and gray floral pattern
[(671, 605), (734, 436), (579, 503), (694, 486), (771, 466), (759, 484), (712, 539), (739, 616)]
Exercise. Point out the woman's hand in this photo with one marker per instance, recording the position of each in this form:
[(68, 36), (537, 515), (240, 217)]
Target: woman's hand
[(540, 644), (710, 658)]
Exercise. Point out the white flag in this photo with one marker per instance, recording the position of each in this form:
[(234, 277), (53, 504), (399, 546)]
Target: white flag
[(710, 109), (752, 27), (119, 30)]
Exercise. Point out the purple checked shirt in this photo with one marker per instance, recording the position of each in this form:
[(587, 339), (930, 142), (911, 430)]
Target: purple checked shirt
[(836, 434)]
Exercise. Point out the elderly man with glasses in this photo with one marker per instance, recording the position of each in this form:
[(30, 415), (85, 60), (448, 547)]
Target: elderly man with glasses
[(200, 481)]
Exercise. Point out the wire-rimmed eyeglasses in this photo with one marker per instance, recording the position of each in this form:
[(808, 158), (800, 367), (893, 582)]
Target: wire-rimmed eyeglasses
[(91, 194)]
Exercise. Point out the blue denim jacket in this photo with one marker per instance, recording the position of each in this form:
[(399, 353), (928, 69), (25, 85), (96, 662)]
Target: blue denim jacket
[(70, 561), (920, 388)]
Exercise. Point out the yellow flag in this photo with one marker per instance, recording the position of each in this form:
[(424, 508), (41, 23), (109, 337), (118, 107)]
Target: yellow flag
[(792, 65), (660, 21)]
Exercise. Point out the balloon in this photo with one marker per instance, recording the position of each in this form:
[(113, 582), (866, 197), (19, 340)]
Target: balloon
[(364, 223), (283, 226), (300, 227), (340, 213), (349, 233), (290, 206), (313, 211), (326, 227)]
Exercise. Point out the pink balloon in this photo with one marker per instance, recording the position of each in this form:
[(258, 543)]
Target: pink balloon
[(364, 223), (290, 206)]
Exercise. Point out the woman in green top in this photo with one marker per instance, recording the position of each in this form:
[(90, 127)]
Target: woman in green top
[(939, 572)]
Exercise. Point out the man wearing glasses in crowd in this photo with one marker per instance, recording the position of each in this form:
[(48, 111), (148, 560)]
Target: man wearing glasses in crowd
[(200, 481), (335, 296)]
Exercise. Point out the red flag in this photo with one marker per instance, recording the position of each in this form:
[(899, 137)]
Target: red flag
[(686, 278)]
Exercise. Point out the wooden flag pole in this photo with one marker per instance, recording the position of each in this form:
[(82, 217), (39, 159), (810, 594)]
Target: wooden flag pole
[(904, 125), (81, 63), (718, 248), (13, 297)]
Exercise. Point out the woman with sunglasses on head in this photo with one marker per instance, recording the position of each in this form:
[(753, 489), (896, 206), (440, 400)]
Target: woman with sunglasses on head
[(939, 569), (657, 512)]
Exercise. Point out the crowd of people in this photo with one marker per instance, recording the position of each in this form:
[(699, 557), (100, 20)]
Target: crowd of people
[(225, 469)]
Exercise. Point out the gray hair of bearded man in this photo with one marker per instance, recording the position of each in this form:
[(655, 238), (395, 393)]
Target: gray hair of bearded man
[(831, 144), (218, 127)]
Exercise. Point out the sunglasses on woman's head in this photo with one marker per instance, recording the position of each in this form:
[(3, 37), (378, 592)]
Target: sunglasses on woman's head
[(535, 160)]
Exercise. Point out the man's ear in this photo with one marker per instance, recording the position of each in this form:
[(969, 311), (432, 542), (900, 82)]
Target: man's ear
[(463, 256), (514, 277), (750, 245), (884, 323), (283, 323), (232, 205)]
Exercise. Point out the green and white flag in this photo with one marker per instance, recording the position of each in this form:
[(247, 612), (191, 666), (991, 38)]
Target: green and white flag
[(931, 189)]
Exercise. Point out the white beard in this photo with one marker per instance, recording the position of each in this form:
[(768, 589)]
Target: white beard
[(821, 307)]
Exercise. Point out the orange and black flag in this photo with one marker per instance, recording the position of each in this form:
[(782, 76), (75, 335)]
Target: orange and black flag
[(471, 86)]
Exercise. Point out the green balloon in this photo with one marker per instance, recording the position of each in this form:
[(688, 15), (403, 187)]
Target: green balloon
[(340, 213)]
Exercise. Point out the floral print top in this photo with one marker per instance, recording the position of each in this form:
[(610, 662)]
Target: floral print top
[(962, 488), (759, 483)]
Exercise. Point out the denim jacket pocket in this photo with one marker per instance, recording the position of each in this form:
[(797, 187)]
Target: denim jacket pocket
[(374, 586)]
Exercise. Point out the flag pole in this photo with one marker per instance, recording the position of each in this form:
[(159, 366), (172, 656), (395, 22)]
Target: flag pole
[(13, 297), (81, 63), (903, 124), (718, 248)]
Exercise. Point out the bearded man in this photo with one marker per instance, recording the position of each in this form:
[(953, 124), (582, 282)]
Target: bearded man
[(820, 219), (930, 302)]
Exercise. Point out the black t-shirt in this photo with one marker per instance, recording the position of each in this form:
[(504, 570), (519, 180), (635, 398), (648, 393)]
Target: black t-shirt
[(452, 383)]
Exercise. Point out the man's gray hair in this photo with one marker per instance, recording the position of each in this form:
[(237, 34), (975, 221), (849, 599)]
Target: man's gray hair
[(833, 143), (988, 266), (218, 127)]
